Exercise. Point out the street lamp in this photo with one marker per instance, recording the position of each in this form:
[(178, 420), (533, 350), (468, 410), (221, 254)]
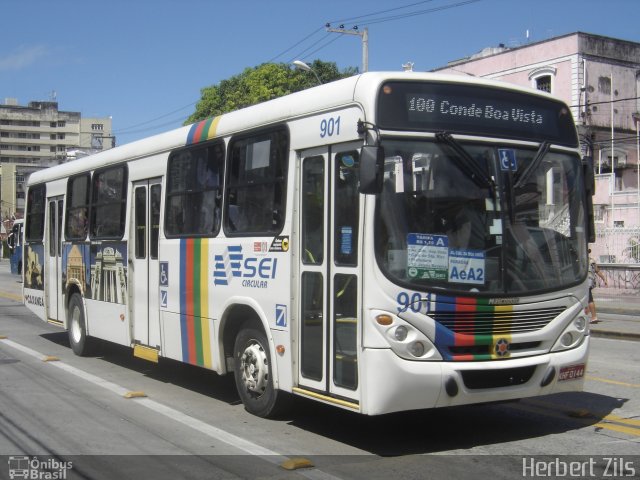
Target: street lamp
[(300, 65)]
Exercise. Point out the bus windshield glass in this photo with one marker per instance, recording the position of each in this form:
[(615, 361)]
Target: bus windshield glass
[(474, 110), (437, 227)]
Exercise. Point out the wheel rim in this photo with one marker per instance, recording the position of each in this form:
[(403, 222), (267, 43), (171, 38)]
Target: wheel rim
[(76, 331), (255, 368)]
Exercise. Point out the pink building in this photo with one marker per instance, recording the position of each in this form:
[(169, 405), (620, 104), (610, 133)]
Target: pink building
[(599, 77)]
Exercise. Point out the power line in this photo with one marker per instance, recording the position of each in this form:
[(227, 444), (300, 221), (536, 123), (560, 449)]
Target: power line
[(352, 19), (179, 120), (133, 128), (612, 101), (379, 20), (319, 48), (125, 130), (304, 52), (339, 21), (418, 12), (607, 141), (296, 44)]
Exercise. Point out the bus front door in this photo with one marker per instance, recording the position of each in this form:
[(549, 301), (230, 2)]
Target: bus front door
[(329, 281), (53, 261), (144, 268)]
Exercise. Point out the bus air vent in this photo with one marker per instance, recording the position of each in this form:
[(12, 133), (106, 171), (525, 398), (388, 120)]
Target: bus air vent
[(497, 322), (507, 377)]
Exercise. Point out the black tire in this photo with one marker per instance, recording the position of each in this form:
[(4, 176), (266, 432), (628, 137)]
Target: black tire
[(77, 327), (252, 372)]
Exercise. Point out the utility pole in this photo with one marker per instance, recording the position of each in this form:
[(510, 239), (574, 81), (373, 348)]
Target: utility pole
[(112, 137), (364, 34)]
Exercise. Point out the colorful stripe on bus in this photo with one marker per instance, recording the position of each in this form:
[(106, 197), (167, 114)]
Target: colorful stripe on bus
[(479, 346), (194, 302), (203, 131)]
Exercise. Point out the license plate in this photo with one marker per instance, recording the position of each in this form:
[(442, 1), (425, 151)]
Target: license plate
[(572, 372)]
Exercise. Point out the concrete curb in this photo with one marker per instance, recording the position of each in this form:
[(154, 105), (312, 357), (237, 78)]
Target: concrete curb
[(615, 335)]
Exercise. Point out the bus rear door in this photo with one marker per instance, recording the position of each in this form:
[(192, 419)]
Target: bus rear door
[(53, 261), (144, 271)]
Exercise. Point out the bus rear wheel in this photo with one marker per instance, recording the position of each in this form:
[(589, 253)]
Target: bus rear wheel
[(252, 372), (80, 343)]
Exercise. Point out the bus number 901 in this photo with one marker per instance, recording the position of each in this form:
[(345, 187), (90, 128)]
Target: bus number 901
[(413, 302), (330, 127)]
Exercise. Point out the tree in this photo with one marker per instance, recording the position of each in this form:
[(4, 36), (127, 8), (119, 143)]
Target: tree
[(261, 83)]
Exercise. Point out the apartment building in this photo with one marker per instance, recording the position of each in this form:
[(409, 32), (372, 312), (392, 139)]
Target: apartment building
[(38, 136), (599, 77)]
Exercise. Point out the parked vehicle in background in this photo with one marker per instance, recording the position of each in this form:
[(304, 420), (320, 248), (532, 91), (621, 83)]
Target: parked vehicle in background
[(14, 242)]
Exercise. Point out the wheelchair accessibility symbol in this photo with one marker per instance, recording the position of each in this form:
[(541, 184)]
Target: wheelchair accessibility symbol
[(507, 159), (164, 274)]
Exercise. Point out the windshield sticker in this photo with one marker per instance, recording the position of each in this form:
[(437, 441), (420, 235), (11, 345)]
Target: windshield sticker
[(467, 266), (507, 159), (427, 256)]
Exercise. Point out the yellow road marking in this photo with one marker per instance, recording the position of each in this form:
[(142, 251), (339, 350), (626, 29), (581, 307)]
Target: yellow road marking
[(607, 421), (11, 296), (619, 428), (615, 418), (613, 382)]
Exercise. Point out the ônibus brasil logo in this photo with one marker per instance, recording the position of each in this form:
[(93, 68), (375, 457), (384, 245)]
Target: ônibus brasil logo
[(23, 466)]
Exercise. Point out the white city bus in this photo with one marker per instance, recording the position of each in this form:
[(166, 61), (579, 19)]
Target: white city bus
[(386, 242)]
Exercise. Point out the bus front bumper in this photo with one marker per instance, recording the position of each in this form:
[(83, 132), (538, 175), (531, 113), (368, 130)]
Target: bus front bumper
[(392, 384)]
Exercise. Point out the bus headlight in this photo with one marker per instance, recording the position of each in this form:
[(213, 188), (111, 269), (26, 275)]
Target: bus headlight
[(580, 323), (567, 339), (405, 340), (417, 349), (573, 334), (401, 333)]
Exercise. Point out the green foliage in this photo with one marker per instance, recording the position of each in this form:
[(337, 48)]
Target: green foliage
[(261, 83)]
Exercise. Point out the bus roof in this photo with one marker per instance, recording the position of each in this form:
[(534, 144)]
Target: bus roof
[(359, 89)]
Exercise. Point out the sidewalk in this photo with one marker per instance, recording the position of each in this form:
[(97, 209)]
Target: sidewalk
[(618, 312)]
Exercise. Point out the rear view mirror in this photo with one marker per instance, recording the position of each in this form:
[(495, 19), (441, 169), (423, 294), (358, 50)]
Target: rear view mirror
[(371, 169), (590, 190), (589, 177)]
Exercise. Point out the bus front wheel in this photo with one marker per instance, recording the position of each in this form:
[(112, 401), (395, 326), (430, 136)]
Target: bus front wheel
[(77, 326), (252, 372)]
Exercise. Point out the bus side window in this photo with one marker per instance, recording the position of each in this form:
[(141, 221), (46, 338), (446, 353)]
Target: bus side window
[(108, 203), (194, 191), (256, 186), (347, 210), (77, 218), (34, 223)]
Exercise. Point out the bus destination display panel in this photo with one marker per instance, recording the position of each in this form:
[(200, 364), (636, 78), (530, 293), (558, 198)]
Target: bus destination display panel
[(474, 110)]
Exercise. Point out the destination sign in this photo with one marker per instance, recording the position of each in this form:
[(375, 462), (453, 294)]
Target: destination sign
[(474, 110)]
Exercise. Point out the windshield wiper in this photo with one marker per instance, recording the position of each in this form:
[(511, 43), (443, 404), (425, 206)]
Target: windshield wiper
[(540, 154), (465, 162)]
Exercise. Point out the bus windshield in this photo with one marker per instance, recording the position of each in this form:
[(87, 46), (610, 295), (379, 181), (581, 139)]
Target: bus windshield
[(438, 227)]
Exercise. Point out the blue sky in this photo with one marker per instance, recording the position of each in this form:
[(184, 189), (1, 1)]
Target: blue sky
[(143, 62)]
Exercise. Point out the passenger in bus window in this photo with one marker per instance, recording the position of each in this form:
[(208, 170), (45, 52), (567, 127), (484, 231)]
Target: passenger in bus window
[(79, 224), (209, 183)]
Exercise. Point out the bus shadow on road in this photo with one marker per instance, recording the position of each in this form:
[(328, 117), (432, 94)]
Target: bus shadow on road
[(196, 379), (396, 434), (453, 428)]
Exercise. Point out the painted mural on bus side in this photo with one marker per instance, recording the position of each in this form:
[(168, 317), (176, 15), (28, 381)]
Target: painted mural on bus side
[(34, 267), (99, 270)]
